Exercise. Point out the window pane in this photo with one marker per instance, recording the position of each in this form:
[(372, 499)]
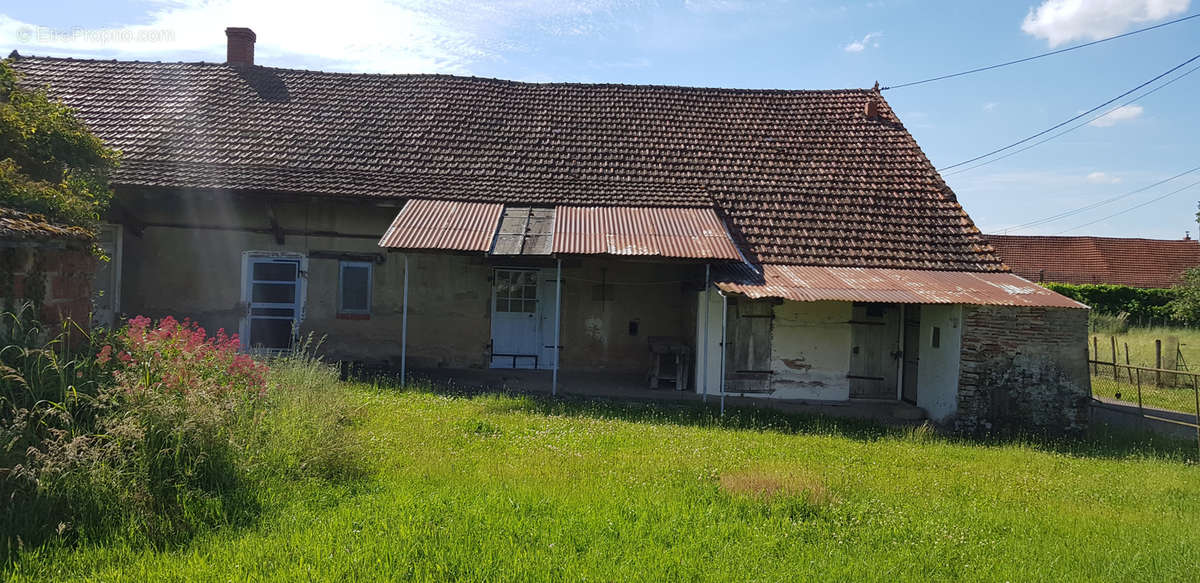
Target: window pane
[(356, 288), (270, 333), (282, 271), (530, 306), (274, 293)]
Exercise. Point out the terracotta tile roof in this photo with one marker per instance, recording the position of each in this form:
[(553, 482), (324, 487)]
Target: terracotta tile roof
[(1151, 263), (21, 226), (802, 177)]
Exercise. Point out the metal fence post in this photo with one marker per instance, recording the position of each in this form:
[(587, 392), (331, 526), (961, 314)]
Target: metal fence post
[(1196, 419)]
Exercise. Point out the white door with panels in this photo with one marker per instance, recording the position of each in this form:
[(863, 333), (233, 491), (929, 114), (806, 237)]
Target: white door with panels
[(273, 292), (516, 319)]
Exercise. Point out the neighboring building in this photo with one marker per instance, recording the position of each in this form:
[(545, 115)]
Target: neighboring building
[(46, 264), (1148, 263), (424, 219)]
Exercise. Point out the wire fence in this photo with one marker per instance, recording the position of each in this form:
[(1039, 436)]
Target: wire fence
[(1165, 395)]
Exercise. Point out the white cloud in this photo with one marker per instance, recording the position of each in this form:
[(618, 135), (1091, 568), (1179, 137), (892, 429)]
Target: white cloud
[(1102, 178), (1118, 115), (398, 36), (871, 40), (1063, 21), (990, 106)]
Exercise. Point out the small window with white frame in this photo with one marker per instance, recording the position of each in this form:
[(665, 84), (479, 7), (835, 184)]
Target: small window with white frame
[(354, 287)]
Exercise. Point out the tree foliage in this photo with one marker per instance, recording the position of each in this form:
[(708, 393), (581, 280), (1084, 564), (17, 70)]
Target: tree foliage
[(49, 162), (1139, 303), (1186, 304)]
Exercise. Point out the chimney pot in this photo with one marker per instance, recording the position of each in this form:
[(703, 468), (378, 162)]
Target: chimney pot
[(240, 47)]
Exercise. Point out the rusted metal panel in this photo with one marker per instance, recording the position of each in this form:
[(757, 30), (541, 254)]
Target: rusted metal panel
[(444, 225), (904, 286), (666, 232), (524, 230)]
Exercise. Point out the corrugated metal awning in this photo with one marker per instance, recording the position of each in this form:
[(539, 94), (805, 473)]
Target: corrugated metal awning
[(687, 233), (444, 225), (695, 233), (902, 286)]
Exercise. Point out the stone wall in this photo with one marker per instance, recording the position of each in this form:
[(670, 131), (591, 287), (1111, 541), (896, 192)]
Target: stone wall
[(59, 280), (1023, 369)]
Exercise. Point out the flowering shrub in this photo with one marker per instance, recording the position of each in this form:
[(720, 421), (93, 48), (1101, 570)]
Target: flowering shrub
[(180, 358), (154, 432)]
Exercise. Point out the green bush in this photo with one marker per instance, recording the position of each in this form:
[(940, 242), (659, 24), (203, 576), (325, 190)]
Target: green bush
[(49, 162), (153, 433), (1140, 305)]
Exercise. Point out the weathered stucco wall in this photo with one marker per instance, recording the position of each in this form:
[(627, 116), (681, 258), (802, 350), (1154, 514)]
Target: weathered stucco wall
[(1023, 369), (197, 273), (938, 368)]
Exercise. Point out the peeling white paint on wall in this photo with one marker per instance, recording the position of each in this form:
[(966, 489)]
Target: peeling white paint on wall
[(810, 351)]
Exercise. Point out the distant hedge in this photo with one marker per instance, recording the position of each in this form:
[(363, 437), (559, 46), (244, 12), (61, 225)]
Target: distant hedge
[(1141, 304)]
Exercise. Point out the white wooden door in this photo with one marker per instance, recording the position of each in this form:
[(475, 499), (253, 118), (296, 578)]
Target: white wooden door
[(516, 329), (274, 294)]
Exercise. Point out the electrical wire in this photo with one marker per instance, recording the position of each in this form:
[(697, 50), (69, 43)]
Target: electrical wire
[(1074, 118), (1035, 57), (1075, 127), (1132, 208), (1073, 212)]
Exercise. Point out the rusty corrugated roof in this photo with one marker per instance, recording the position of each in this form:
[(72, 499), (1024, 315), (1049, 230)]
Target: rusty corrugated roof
[(444, 225), (666, 232), (905, 286)]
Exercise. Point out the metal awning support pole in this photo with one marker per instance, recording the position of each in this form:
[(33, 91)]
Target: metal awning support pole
[(557, 325), (704, 351), (724, 319), (404, 326)]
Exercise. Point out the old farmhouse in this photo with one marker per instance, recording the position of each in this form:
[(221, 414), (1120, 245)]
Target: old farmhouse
[(792, 245)]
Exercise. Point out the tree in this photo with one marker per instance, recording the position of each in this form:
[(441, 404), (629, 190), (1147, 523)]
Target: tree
[(1186, 305), (50, 163)]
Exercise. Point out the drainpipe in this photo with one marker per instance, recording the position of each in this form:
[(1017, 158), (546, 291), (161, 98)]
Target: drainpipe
[(707, 308), (724, 320), (557, 325), (404, 326)]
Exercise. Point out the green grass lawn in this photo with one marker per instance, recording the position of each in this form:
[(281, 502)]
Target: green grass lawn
[(495, 487)]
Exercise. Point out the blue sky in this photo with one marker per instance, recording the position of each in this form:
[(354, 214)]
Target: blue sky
[(761, 44)]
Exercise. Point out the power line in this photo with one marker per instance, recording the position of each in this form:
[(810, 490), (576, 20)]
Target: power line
[(1035, 57), (1072, 119), (1134, 207), (1094, 205), (1077, 126)]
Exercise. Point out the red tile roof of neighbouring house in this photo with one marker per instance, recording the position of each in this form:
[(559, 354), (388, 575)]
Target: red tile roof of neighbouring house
[(1148, 263), (800, 177)]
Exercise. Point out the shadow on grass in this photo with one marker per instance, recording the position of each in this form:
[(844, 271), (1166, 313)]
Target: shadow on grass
[(1099, 442)]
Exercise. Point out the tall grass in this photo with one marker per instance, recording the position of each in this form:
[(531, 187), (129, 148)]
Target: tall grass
[(154, 434)]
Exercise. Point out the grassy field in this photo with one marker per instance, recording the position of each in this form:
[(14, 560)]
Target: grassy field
[(1142, 353), (498, 487)]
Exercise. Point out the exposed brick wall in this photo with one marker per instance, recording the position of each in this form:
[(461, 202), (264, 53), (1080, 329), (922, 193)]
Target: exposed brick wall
[(60, 277), (1023, 369)]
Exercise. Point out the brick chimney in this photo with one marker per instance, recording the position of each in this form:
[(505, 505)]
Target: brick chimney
[(871, 109), (240, 50)]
